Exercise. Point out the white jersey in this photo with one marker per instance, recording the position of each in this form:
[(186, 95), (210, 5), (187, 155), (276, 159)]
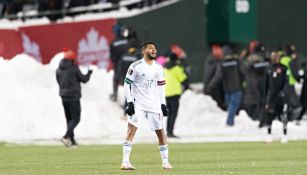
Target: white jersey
[(147, 91)]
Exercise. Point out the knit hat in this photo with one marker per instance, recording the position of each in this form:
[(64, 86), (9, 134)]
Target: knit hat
[(217, 51), (69, 54)]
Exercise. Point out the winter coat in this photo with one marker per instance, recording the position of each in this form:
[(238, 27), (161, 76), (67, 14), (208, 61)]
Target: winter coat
[(215, 92), (209, 70), (176, 78), (118, 48), (255, 76), (230, 73), (124, 64), (295, 67), (69, 76), (304, 88), (286, 60), (277, 80)]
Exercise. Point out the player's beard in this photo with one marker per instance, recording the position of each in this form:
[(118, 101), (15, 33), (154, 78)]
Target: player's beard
[(151, 56)]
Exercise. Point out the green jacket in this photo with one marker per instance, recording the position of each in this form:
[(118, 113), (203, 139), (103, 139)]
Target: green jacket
[(174, 77), (285, 60)]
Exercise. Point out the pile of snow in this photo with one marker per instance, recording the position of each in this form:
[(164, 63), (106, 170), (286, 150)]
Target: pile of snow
[(31, 111)]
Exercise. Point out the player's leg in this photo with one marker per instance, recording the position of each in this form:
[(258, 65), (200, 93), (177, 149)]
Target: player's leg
[(163, 147), (155, 121), (76, 115), (285, 120), (269, 138), (67, 109), (127, 145), (301, 115)]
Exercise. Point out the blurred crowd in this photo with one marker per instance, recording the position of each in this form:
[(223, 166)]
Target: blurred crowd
[(259, 81), (55, 9)]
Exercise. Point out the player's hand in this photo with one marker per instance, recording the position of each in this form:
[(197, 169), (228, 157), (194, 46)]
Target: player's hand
[(130, 109), (165, 111), (90, 71)]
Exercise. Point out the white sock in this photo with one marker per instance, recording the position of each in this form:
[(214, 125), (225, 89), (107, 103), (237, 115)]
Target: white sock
[(127, 146), (164, 153)]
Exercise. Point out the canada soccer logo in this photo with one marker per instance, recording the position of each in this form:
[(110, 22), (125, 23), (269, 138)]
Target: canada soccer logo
[(94, 49), (31, 48)]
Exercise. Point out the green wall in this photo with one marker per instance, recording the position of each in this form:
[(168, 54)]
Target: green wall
[(182, 23), (229, 22), (283, 21)]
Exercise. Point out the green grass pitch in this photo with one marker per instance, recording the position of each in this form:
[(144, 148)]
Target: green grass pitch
[(189, 158)]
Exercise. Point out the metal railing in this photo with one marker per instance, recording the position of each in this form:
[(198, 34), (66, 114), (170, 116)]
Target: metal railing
[(99, 7)]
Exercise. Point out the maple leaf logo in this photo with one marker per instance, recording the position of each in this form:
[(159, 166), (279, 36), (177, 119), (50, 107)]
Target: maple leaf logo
[(31, 48), (94, 48)]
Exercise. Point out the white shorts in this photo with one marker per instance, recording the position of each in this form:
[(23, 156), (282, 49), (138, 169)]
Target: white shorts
[(155, 120)]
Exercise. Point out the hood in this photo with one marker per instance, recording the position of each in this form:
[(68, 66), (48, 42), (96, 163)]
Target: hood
[(64, 64), (170, 64)]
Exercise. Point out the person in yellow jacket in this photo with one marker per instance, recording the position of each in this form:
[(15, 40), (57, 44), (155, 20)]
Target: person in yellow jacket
[(177, 82)]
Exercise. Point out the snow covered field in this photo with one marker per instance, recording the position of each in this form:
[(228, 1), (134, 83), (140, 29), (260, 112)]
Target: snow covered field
[(31, 111)]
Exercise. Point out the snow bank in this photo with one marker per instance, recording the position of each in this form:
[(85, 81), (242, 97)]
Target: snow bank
[(31, 111)]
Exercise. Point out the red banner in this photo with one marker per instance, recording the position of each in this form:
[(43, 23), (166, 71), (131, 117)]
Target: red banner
[(89, 39), (10, 43)]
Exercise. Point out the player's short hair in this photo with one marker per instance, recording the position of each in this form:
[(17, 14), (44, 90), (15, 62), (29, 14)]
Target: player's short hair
[(144, 45)]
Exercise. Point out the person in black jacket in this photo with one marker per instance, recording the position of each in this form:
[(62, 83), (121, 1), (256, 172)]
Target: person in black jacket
[(69, 76), (255, 78), (125, 39), (210, 66), (276, 98), (124, 65), (303, 97), (230, 73), (118, 48)]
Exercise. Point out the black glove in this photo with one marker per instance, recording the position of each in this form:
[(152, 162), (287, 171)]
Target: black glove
[(90, 71), (130, 109), (165, 111)]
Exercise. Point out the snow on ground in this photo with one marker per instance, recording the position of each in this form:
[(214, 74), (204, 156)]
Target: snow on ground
[(31, 111)]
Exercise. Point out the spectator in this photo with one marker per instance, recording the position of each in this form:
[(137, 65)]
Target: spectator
[(230, 73), (209, 69), (124, 64), (177, 80), (124, 40), (118, 48), (255, 70), (276, 98), (69, 76), (303, 97), (289, 59)]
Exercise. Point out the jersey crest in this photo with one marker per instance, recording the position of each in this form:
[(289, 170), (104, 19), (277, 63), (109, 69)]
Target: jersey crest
[(130, 71)]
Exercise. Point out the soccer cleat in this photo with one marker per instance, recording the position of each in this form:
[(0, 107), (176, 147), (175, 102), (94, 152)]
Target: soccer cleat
[(66, 141), (284, 139), (74, 145), (167, 166), (127, 166), (269, 138)]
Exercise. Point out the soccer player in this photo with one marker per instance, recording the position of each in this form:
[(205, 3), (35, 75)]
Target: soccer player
[(146, 98), (277, 100)]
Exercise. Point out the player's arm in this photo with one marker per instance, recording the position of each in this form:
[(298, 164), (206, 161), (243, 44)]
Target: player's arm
[(161, 82), (127, 84)]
